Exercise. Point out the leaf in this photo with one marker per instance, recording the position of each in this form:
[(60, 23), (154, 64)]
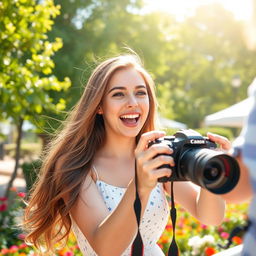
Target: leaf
[(26, 80)]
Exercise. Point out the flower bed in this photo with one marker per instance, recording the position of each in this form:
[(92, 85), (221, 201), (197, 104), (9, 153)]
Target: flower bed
[(192, 237)]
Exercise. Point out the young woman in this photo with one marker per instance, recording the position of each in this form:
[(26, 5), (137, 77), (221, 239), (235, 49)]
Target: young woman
[(87, 180)]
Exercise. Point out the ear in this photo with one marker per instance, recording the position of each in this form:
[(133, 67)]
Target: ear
[(100, 111)]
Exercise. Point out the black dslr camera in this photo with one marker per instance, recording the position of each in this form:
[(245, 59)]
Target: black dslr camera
[(197, 161)]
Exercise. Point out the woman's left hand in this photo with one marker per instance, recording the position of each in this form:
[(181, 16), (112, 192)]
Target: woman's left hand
[(224, 143)]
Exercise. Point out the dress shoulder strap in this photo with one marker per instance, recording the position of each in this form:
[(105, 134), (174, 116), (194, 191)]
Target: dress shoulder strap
[(95, 171)]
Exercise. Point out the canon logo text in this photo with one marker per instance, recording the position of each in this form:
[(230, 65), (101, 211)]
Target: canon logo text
[(193, 141)]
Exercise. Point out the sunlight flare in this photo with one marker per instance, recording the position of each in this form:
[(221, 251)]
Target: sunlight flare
[(242, 10)]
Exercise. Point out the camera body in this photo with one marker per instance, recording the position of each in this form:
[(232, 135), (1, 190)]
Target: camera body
[(180, 142), (197, 160)]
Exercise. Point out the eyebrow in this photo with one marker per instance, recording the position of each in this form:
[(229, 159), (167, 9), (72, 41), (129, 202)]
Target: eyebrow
[(124, 88)]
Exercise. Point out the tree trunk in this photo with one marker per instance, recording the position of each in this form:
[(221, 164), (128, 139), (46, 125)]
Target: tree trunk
[(17, 157), (45, 140)]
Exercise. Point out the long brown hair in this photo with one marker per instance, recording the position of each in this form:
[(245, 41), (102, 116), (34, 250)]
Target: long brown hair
[(68, 159)]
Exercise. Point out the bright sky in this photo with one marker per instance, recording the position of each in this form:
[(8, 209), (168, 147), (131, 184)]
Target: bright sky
[(182, 8)]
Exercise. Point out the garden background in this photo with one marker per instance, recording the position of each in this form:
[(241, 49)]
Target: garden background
[(201, 63)]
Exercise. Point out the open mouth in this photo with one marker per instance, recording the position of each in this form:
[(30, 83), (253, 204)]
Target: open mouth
[(130, 119)]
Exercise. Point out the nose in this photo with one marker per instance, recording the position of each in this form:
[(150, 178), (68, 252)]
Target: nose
[(132, 101)]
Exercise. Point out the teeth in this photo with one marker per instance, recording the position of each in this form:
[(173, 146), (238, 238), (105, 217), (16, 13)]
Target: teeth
[(130, 116)]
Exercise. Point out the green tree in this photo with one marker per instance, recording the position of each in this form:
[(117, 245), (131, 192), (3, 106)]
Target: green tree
[(26, 65), (203, 54), (193, 61), (93, 30)]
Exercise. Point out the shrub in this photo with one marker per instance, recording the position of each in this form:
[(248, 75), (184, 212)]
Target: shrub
[(218, 130), (194, 238), (10, 209), (22, 249), (170, 131), (11, 236), (30, 172), (203, 131)]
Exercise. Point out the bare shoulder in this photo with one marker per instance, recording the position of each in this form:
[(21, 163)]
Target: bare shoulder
[(89, 210)]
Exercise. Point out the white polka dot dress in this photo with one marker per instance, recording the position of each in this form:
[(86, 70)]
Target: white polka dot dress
[(152, 224)]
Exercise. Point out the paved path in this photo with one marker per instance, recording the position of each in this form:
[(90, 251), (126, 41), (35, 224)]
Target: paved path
[(6, 169)]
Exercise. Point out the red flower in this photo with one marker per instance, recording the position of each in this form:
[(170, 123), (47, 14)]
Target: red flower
[(224, 235), (160, 245), (203, 226), (4, 251), (165, 240), (13, 249), (168, 227), (237, 240), (3, 207), (21, 194), (22, 246), (209, 251), (21, 236), (69, 253), (220, 229), (3, 199)]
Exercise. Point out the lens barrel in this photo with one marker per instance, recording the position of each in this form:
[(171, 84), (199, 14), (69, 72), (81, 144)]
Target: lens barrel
[(210, 169)]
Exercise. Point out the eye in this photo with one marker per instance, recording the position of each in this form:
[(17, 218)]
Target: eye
[(118, 94), (141, 93)]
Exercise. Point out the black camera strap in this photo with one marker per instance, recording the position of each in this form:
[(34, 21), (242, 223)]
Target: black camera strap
[(173, 249), (137, 246)]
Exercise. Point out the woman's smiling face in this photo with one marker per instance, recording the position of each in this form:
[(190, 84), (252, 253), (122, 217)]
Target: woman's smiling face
[(125, 106)]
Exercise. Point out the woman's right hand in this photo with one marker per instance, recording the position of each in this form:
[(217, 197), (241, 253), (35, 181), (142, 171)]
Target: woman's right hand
[(149, 159)]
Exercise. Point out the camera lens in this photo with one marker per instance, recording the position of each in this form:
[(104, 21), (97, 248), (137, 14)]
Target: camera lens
[(213, 170)]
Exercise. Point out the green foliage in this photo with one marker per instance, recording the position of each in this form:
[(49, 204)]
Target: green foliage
[(28, 150), (11, 236), (194, 238), (9, 212), (218, 130), (226, 132), (203, 54), (21, 249), (26, 66), (170, 131), (30, 172), (95, 30), (192, 62)]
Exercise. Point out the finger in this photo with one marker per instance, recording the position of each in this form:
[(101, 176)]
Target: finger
[(147, 137), (156, 149), (223, 141), (162, 172), (159, 161)]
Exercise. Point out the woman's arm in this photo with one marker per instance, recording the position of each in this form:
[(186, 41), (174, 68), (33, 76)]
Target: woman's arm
[(111, 233), (210, 208), (207, 207), (242, 192)]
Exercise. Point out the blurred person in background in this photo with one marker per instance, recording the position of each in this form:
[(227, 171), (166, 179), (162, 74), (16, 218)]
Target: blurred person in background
[(244, 150)]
